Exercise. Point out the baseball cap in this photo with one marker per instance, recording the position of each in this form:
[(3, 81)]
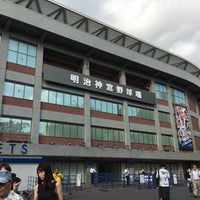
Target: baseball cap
[(5, 176)]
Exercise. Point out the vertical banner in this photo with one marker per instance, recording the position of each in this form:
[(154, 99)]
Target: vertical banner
[(183, 128)]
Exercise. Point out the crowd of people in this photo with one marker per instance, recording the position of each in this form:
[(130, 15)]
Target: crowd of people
[(49, 183)]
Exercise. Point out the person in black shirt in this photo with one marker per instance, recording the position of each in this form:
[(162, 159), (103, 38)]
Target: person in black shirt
[(47, 187)]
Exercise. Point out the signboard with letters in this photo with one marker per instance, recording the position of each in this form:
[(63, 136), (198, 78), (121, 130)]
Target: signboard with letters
[(81, 81)]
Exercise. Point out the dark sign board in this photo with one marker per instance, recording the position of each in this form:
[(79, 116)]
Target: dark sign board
[(81, 81)]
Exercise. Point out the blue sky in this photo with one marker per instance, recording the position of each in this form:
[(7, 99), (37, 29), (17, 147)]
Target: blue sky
[(172, 25)]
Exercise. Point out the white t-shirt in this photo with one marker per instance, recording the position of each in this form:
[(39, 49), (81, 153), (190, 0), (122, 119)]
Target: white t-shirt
[(164, 177), (195, 174), (92, 170)]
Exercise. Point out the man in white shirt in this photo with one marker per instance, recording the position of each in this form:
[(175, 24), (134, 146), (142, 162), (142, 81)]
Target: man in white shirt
[(195, 178), (93, 172), (164, 188)]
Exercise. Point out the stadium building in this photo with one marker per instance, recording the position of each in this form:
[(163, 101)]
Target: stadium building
[(77, 92)]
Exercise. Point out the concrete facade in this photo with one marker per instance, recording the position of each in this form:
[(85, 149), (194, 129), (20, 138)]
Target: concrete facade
[(114, 58)]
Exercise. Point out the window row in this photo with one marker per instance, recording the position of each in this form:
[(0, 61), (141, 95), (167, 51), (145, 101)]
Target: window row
[(106, 106), (23, 127), (21, 53), (59, 98), (61, 130), (15, 126), (140, 113), (167, 140), (106, 134), (18, 91), (164, 117), (143, 138), (25, 54), (178, 96)]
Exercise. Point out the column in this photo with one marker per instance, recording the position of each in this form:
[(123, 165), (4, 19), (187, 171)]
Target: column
[(37, 95), (3, 61), (87, 130), (122, 80)]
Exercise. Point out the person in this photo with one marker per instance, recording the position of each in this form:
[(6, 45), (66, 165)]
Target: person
[(93, 172), (47, 187), (127, 175), (16, 181), (163, 182), (6, 183), (142, 171), (195, 179), (58, 176)]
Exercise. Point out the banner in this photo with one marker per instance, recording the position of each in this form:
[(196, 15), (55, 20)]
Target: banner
[(183, 128)]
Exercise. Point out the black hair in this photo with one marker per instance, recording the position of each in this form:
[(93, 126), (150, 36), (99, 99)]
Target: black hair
[(6, 166), (48, 179), (162, 164)]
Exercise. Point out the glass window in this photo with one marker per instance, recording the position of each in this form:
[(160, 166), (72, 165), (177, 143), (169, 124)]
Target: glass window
[(80, 132), (178, 96), (104, 107), (143, 138), (109, 107), (66, 131), (60, 98), (74, 102), (5, 125), (141, 113), (92, 104), (43, 128), (31, 50), (115, 110), (98, 105), (12, 56), (104, 134), (167, 140), (44, 96), (13, 45), (80, 102), (161, 91), (28, 93), (15, 126), (23, 48), (98, 133), (67, 100), (21, 53), (74, 131), (52, 97), (21, 59), (19, 91), (31, 61), (8, 89), (50, 129), (26, 127), (58, 131)]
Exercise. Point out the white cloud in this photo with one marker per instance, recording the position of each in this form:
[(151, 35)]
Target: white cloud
[(170, 25)]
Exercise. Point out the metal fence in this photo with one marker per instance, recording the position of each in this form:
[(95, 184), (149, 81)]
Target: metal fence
[(71, 182)]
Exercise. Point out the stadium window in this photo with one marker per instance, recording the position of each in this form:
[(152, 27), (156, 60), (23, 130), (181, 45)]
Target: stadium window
[(15, 126), (105, 106), (59, 98), (161, 91), (21, 53), (178, 96), (164, 117), (18, 91)]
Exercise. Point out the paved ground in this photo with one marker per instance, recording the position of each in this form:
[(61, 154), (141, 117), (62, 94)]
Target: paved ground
[(119, 193)]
